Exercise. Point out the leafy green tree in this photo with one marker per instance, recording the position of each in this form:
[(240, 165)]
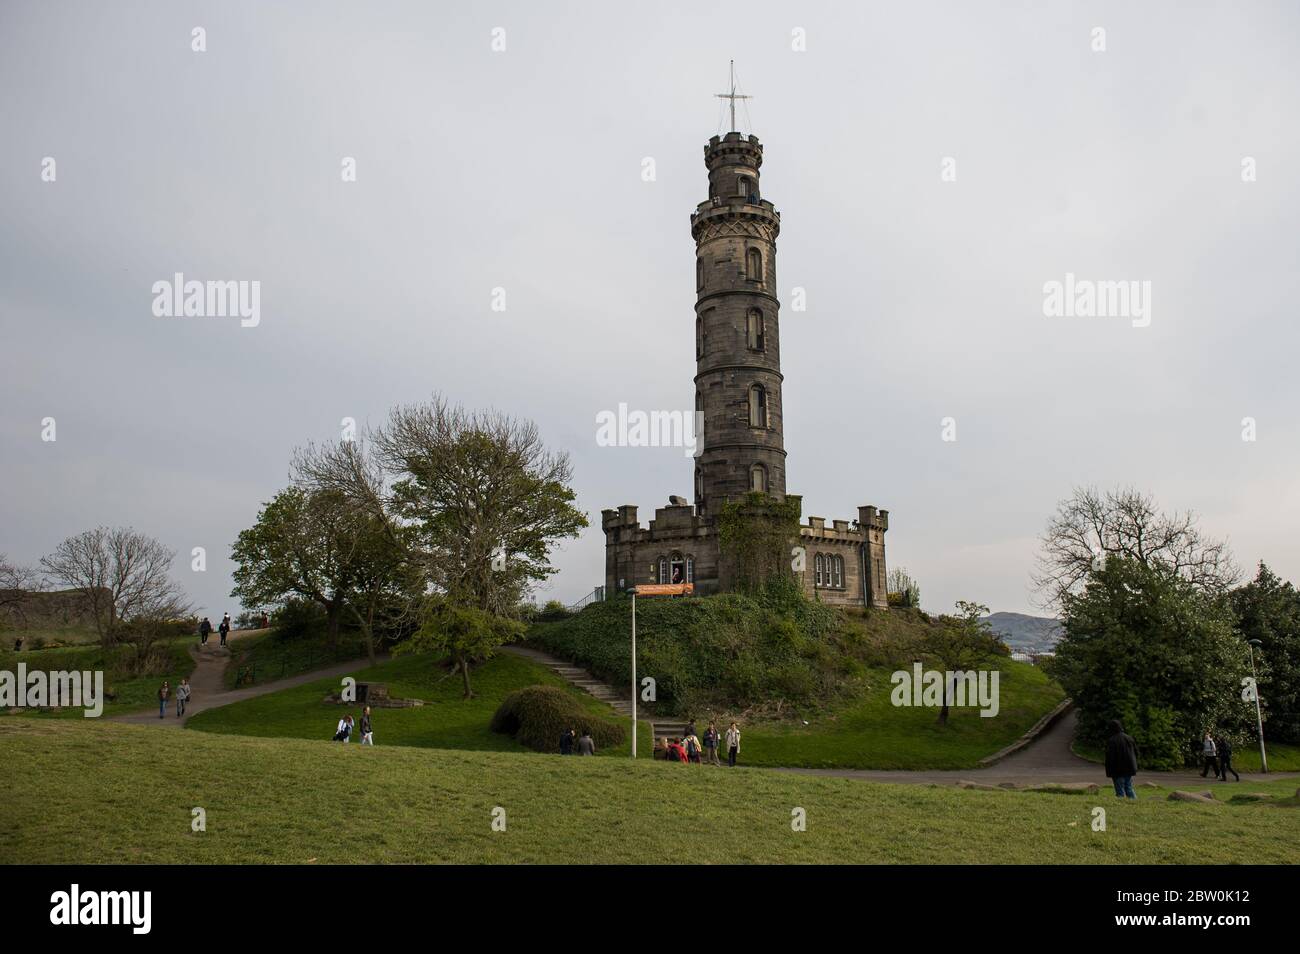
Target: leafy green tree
[(311, 544), (960, 643), (462, 632), (1144, 644), (1268, 609), (473, 499)]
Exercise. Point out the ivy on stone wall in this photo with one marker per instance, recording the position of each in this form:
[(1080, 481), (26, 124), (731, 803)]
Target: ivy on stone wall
[(758, 533)]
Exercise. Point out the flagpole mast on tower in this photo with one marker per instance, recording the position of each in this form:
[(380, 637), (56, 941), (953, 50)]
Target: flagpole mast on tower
[(733, 96)]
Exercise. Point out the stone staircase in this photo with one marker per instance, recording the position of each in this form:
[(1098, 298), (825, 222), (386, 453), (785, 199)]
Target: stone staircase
[(620, 703), (577, 676)]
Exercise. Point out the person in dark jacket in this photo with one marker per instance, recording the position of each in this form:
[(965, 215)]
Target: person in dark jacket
[(1121, 760), (205, 630), (566, 742), (1225, 760)]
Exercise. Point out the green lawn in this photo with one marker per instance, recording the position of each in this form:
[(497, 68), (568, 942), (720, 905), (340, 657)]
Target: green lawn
[(89, 792), (267, 656), (872, 733), (133, 693), (446, 721)]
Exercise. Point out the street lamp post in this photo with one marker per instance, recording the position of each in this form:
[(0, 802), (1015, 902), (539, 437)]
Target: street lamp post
[(634, 673), (1259, 717)]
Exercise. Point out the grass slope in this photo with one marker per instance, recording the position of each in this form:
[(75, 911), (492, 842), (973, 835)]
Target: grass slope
[(713, 656), (270, 656), (121, 793), (133, 693), (446, 721), (870, 732)]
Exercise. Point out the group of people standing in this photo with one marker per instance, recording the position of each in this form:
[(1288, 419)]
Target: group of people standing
[(691, 749), (345, 728), (205, 630), (573, 744), (182, 697)]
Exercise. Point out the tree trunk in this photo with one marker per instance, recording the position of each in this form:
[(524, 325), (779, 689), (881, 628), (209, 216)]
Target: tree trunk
[(370, 633), (332, 613), (464, 671)]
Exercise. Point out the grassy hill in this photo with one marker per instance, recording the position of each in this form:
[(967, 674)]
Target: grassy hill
[(809, 684), (132, 692), (446, 721), (87, 792)]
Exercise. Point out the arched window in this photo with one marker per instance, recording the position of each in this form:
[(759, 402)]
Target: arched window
[(758, 478), (743, 186), (663, 569), (819, 564), (754, 330), (838, 567), (757, 406), (690, 568), (699, 491), (699, 337), (754, 265), (677, 569)]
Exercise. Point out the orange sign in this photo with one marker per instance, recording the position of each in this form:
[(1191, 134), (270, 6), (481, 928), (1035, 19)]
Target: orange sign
[(665, 589)]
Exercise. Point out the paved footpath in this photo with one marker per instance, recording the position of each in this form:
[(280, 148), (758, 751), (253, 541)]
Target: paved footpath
[(208, 689), (1046, 760)]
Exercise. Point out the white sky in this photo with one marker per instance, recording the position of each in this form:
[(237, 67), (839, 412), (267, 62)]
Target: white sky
[(522, 169)]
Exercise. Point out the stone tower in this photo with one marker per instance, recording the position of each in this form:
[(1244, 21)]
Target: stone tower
[(738, 395), (737, 335)]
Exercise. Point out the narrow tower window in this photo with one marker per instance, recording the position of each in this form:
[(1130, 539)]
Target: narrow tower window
[(754, 330), (758, 479), (757, 406), (754, 265), (745, 187), (699, 274), (699, 337)]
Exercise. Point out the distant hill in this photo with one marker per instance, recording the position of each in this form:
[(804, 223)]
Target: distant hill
[(1024, 633)]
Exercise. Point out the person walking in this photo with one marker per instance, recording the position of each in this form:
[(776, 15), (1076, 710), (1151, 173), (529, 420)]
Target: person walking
[(711, 741), (1121, 760), (733, 745), (566, 742), (367, 732), (1210, 754), (205, 630), (586, 744), (182, 697), (224, 629), (344, 731), (1225, 760), (164, 691)]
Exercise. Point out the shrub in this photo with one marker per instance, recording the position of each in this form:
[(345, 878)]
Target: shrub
[(298, 618), (734, 651), (536, 716), (552, 612)]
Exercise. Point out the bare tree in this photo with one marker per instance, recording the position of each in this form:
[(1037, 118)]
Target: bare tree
[(473, 499), (17, 584), (121, 574), (1091, 526)]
